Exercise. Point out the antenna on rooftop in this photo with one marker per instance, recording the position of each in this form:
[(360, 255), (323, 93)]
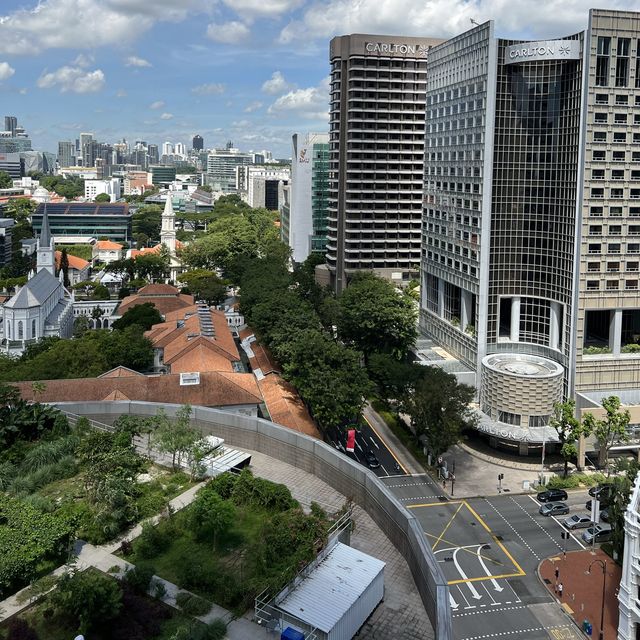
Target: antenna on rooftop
[(474, 23)]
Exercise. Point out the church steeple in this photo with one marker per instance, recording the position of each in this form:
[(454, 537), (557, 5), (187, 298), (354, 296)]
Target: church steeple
[(46, 258), (168, 230)]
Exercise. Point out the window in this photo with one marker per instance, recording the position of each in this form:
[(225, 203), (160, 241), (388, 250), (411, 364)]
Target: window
[(634, 194), (615, 212), (613, 248), (632, 266), (599, 155), (20, 330), (599, 136), (613, 266), (602, 98), (597, 192), (595, 230), (612, 285), (631, 284), (633, 247), (620, 118), (595, 248), (596, 211), (33, 329), (634, 230), (635, 174), (615, 229), (617, 193), (600, 117), (593, 266), (602, 61), (622, 62), (619, 137), (619, 156), (593, 285), (622, 99), (509, 418), (616, 174)]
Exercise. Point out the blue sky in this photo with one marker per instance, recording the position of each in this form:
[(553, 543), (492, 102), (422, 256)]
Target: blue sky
[(251, 71)]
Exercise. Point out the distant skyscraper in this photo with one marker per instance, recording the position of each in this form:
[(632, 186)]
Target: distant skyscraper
[(376, 158), (11, 124), (198, 143), (66, 153), (85, 138), (153, 153), (180, 149), (221, 168), (167, 148)]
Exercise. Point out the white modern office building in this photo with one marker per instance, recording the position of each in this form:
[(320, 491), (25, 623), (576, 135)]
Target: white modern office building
[(221, 168), (531, 219), (111, 187), (376, 132)]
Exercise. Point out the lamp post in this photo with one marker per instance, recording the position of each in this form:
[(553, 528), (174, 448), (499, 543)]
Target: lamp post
[(544, 442), (603, 564)]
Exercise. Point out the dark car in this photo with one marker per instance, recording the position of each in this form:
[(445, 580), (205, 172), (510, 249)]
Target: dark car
[(602, 492), (552, 495), (372, 461), (604, 515), (553, 509)]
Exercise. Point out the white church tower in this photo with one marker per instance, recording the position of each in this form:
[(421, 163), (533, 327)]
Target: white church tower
[(168, 230), (46, 252)]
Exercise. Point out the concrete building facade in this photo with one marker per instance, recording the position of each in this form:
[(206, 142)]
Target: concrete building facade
[(376, 133)]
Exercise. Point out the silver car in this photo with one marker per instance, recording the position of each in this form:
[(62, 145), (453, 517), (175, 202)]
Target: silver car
[(598, 533), (578, 521), (554, 509)]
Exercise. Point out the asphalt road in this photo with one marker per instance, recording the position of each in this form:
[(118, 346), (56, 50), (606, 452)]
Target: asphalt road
[(489, 550)]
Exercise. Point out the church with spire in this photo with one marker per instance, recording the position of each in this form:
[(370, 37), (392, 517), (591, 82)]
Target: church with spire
[(40, 308), (168, 240)]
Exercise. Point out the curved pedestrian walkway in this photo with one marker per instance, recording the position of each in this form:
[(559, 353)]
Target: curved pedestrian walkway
[(581, 596)]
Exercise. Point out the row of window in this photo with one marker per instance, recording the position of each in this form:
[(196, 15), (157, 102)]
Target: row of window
[(615, 193), (621, 99), (614, 266), (596, 248), (453, 264), (612, 285), (615, 174), (622, 66), (600, 155), (602, 117), (614, 211)]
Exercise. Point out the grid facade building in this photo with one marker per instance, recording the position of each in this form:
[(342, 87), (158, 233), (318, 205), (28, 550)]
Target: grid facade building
[(376, 138), (531, 217)]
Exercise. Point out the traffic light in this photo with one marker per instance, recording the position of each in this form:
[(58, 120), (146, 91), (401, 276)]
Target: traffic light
[(500, 477), (565, 535)]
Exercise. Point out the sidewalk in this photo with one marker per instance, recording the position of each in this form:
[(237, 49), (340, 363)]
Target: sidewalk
[(582, 592)]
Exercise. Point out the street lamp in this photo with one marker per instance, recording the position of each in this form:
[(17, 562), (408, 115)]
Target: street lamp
[(603, 564), (544, 442)]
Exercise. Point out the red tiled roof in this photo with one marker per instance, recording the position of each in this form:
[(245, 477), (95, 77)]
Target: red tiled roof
[(119, 372), (216, 389), (107, 245), (74, 261), (163, 296)]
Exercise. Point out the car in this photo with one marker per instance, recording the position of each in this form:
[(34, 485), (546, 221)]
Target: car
[(601, 490), (372, 461), (597, 533), (603, 503), (554, 509), (552, 495), (604, 515), (578, 521)]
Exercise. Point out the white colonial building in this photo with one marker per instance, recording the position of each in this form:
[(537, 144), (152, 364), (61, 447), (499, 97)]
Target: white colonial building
[(42, 307), (628, 600)]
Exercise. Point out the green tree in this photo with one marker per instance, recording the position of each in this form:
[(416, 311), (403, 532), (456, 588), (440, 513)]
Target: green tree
[(153, 266), (64, 267), (375, 317), (394, 378), (144, 315), (569, 430), (5, 180), (610, 429), (100, 292), (174, 438), (147, 220), (439, 408), (210, 515), (87, 597), (205, 285), (102, 197), (81, 325)]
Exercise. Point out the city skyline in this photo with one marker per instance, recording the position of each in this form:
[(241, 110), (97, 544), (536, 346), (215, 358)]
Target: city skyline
[(243, 71)]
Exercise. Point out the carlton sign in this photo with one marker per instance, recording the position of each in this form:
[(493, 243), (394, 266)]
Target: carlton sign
[(543, 50), (396, 49)]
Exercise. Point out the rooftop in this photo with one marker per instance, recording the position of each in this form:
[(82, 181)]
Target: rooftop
[(163, 296)]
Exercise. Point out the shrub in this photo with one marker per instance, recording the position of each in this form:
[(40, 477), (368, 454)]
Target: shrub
[(19, 629), (210, 515), (7, 475), (152, 541), (223, 484), (575, 480), (631, 348), (193, 574), (139, 578), (159, 590), (249, 490), (192, 605)]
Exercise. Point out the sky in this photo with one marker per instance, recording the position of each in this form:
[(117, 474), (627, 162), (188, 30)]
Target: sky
[(249, 71)]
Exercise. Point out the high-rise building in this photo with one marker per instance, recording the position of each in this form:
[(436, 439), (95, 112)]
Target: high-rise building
[(180, 149), (221, 168), (152, 151), (530, 243), (66, 153), (10, 163), (376, 128), (85, 138), (162, 175), (11, 124), (90, 152), (167, 148), (198, 143), (304, 216)]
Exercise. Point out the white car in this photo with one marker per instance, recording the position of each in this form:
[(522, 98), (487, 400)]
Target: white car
[(578, 521)]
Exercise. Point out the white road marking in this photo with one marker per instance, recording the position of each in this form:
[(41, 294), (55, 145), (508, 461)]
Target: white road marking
[(452, 602), (495, 584), (464, 598), (386, 472), (524, 542), (462, 614), (474, 592), (484, 586), (375, 444)]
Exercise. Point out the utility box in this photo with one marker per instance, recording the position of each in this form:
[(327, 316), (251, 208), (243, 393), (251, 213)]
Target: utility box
[(291, 634)]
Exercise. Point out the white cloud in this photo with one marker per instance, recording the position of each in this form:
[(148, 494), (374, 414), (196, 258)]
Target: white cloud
[(72, 79), (86, 24), (276, 84), (83, 60), (134, 61), (269, 8), (228, 32), (442, 18), (158, 104), (253, 106), (6, 71), (311, 103), (214, 88), (166, 116), (121, 93)]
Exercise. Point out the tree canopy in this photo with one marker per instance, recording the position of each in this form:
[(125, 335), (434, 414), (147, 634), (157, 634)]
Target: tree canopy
[(609, 429), (569, 430), (147, 220), (5, 180), (205, 285), (102, 197), (144, 315), (374, 317)]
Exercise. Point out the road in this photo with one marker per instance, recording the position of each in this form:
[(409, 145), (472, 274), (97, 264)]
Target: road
[(489, 550)]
